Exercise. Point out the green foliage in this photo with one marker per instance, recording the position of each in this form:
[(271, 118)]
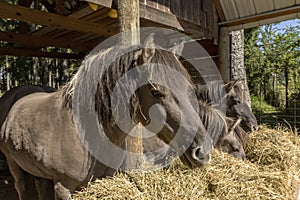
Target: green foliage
[(26, 70), (272, 58), (260, 106)]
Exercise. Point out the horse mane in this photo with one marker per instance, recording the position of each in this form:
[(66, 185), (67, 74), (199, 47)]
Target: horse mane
[(214, 120), (212, 92), (124, 60)]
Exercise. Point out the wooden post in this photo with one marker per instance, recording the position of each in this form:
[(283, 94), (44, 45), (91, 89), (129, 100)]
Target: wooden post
[(224, 53), (129, 21), (129, 24)]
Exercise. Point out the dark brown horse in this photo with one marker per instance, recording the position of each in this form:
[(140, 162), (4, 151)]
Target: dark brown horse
[(6, 103), (78, 133), (230, 98), (222, 130)]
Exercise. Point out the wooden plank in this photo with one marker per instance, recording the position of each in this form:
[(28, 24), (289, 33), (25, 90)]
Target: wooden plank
[(224, 53), (92, 17), (79, 14), (219, 9), (196, 12), (151, 3), (215, 27), (54, 20), (208, 8), (38, 42), (167, 6), (164, 18), (155, 15), (37, 53)]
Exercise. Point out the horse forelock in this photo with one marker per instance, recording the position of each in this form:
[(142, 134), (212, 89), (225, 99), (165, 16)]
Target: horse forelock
[(236, 91), (95, 65)]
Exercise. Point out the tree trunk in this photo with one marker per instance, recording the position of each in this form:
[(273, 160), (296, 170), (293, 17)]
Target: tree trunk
[(129, 24), (35, 69), (286, 74), (237, 61), (7, 74)]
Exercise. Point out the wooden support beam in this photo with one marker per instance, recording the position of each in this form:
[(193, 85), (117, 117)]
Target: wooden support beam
[(129, 21), (38, 53), (50, 19), (224, 53), (39, 42), (129, 24)]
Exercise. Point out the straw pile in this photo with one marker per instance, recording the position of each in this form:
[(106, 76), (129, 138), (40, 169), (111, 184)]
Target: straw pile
[(272, 171)]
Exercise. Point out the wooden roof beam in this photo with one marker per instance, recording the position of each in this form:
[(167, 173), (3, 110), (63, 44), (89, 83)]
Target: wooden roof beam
[(40, 42), (158, 16), (38, 53), (54, 20)]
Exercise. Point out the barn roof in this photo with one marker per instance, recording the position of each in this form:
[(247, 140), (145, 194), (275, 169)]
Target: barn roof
[(83, 27), (243, 14)]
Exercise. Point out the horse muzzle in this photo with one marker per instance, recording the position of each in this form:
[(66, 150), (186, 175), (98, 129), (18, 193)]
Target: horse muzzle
[(198, 155)]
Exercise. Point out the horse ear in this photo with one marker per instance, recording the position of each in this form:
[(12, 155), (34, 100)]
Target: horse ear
[(149, 49), (238, 82), (229, 85), (177, 48), (232, 84)]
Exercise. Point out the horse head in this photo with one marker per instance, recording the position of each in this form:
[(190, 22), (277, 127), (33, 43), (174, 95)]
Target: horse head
[(237, 107), (167, 105)]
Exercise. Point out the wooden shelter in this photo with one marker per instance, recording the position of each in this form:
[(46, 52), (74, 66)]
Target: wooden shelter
[(81, 25)]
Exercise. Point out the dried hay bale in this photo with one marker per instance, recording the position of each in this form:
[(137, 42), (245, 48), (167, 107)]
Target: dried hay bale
[(272, 171)]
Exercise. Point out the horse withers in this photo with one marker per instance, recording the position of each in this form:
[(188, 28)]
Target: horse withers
[(44, 136)]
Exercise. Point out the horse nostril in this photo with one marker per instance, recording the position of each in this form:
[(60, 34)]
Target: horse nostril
[(197, 153), (254, 128)]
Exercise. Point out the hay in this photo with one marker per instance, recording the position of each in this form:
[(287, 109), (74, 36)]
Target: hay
[(272, 171)]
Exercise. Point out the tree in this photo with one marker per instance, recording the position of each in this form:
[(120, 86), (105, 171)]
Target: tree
[(272, 61)]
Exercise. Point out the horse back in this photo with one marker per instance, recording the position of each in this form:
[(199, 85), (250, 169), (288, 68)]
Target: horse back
[(40, 135)]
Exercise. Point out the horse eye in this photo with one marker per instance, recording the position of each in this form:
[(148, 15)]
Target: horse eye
[(157, 94)]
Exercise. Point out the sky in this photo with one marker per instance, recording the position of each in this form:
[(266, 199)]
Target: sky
[(288, 23)]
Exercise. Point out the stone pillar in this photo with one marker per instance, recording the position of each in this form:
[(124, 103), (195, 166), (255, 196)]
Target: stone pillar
[(238, 70)]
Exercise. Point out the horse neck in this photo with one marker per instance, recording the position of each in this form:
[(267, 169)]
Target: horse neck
[(213, 121)]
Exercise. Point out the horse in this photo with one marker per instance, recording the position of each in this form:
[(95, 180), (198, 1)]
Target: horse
[(6, 103), (47, 134), (230, 97), (234, 142), (16, 93), (221, 129)]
